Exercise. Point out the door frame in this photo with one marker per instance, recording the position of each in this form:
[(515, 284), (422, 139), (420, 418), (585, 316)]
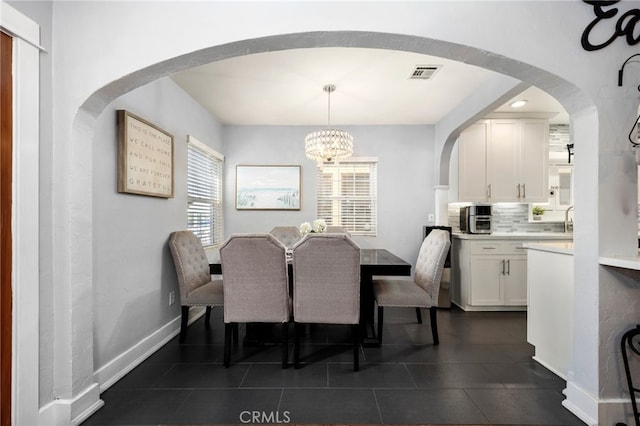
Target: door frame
[(6, 168), (25, 216)]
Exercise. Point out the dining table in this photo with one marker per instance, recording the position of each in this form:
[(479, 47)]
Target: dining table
[(373, 262)]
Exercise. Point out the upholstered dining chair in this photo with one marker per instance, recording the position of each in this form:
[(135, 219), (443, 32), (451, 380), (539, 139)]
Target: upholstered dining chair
[(334, 229), (326, 286), (256, 286), (287, 235), (422, 291), (196, 286)]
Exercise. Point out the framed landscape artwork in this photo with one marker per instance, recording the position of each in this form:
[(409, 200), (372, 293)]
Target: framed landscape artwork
[(268, 187)]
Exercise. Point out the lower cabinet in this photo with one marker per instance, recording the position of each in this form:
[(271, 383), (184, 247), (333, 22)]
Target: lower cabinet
[(489, 275), (498, 281)]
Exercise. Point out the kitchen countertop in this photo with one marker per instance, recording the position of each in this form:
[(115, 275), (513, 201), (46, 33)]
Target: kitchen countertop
[(515, 236), (632, 263), (552, 247)]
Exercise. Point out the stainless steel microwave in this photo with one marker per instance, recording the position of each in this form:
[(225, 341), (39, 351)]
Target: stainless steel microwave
[(476, 219)]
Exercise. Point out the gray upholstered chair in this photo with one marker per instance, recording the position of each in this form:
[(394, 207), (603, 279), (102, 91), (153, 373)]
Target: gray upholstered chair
[(197, 288), (287, 235), (326, 286), (422, 291), (334, 229), (256, 285)]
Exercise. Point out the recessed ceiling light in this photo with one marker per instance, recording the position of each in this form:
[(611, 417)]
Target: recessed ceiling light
[(519, 104)]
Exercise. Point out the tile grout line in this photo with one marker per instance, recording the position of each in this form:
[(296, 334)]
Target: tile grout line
[(375, 398)]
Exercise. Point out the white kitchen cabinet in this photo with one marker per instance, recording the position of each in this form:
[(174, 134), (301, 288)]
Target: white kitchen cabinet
[(499, 273), (472, 165), (504, 160), (501, 280), (489, 275)]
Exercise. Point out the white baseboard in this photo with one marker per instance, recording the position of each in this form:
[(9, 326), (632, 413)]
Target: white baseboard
[(117, 368), (581, 403), (74, 411)]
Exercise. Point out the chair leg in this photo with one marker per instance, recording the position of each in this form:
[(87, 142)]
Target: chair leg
[(297, 328), (285, 345), (433, 312), (419, 315), (183, 323), (235, 333), (355, 331), (228, 328), (380, 320), (207, 316)]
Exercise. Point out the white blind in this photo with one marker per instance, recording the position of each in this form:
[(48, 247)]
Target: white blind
[(347, 195), (204, 192)]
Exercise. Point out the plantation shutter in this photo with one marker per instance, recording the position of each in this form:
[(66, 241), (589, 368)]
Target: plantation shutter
[(204, 192), (347, 195)]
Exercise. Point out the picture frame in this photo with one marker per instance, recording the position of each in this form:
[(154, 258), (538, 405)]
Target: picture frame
[(266, 187), (145, 157)]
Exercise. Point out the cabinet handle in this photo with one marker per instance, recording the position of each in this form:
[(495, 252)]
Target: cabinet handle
[(508, 267), (502, 266), (524, 191), (518, 190), (488, 248), (489, 191)]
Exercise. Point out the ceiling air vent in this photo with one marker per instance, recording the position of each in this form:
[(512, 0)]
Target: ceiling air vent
[(424, 72)]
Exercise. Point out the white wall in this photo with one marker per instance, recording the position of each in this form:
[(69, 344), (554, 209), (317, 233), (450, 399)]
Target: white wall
[(132, 268), (406, 178)]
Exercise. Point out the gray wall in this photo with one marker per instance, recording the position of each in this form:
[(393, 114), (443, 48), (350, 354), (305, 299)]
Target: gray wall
[(132, 266), (406, 179)]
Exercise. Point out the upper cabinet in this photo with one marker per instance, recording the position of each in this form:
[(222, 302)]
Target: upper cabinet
[(504, 160), (472, 162)]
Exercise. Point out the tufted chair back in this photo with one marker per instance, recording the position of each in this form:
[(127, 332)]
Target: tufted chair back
[(334, 229), (430, 263), (256, 279), (287, 235), (326, 279), (190, 259)]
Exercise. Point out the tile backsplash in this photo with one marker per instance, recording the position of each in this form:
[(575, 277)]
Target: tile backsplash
[(507, 218)]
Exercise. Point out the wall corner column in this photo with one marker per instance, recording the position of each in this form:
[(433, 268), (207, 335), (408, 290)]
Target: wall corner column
[(442, 201)]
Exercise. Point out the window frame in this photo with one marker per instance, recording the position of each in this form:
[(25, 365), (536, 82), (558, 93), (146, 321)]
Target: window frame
[(216, 203), (336, 197)]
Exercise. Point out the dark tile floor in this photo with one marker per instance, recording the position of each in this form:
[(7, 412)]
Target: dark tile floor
[(481, 373)]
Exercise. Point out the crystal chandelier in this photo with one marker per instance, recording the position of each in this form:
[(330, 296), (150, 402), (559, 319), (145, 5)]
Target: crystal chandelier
[(328, 144)]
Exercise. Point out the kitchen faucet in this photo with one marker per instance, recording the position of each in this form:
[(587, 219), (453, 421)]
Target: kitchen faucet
[(568, 225)]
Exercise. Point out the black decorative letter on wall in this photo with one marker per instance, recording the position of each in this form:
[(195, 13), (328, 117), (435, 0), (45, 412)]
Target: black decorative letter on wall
[(625, 25)]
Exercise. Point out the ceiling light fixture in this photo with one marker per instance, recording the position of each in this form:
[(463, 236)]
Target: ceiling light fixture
[(328, 144), (519, 104)]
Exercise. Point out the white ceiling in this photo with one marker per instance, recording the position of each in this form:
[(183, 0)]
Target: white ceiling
[(373, 86)]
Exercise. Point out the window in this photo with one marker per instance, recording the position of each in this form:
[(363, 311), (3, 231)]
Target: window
[(204, 192), (347, 195)]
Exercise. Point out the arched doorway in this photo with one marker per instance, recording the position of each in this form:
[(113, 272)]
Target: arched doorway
[(81, 223)]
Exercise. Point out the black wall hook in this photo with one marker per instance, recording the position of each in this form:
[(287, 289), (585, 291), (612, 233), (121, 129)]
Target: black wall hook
[(621, 70)]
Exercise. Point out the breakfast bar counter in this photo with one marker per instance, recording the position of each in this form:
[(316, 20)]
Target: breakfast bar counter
[(550, 287)]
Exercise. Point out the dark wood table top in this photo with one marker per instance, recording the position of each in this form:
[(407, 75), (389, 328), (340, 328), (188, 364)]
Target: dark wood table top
[(372, 262), (382, 262)]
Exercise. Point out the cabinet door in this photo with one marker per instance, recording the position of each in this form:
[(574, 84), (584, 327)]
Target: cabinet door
[(486, 277), (472, 163), (515, 282), (534, 161), (502, 161)]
